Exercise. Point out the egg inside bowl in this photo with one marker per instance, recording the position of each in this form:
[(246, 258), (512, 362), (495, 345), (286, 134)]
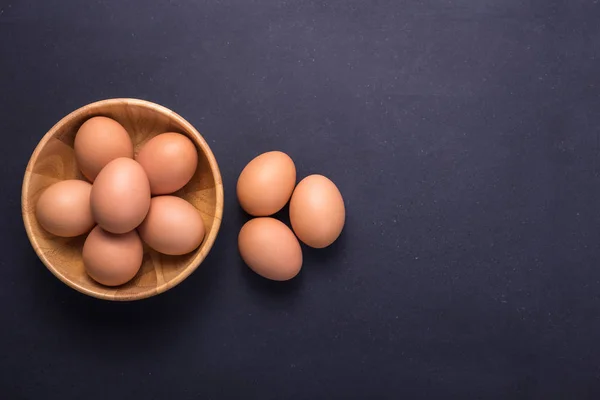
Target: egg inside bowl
[(53, 160)]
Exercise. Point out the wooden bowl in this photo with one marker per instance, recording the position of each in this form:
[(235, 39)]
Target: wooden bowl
[(54, 160)]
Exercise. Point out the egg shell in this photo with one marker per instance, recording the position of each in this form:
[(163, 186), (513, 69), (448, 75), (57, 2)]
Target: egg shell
[(64, 210), (111, 259), (317, 211), (266, 183), (270, 249), (99, 141), (173, 226), (170, 160), (120, 196)]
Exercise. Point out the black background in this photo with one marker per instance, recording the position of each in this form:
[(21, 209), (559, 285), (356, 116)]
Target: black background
[(464, 136)]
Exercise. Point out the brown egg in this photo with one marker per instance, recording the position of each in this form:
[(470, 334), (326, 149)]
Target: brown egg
[(317, 211), (120, 196), (64, 208), (170, 160), (266, 183), (173, 226), (112, 259), (98, 141), (270, 249)]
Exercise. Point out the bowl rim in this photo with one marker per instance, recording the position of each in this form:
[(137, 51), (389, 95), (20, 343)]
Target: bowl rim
[(210, 237)]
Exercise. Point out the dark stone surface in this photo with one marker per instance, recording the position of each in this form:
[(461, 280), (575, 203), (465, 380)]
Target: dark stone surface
[(464, 136)]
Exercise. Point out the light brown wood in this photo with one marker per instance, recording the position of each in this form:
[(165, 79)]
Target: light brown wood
[(53, 160)]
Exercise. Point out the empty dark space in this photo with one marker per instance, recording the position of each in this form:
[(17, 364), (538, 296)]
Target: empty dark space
[(463, 135)]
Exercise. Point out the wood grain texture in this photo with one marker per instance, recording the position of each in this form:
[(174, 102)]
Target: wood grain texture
[(54, 160)]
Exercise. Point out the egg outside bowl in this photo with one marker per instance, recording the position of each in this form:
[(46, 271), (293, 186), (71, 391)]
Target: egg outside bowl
[(53, 160)]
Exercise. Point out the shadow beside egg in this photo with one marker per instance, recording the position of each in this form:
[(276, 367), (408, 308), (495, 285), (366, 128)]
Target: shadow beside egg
[(325, 257), (284, 215), (271, 289), (242, 215)]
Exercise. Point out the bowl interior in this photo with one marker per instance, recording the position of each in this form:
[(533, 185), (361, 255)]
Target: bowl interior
[(54, 160)]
